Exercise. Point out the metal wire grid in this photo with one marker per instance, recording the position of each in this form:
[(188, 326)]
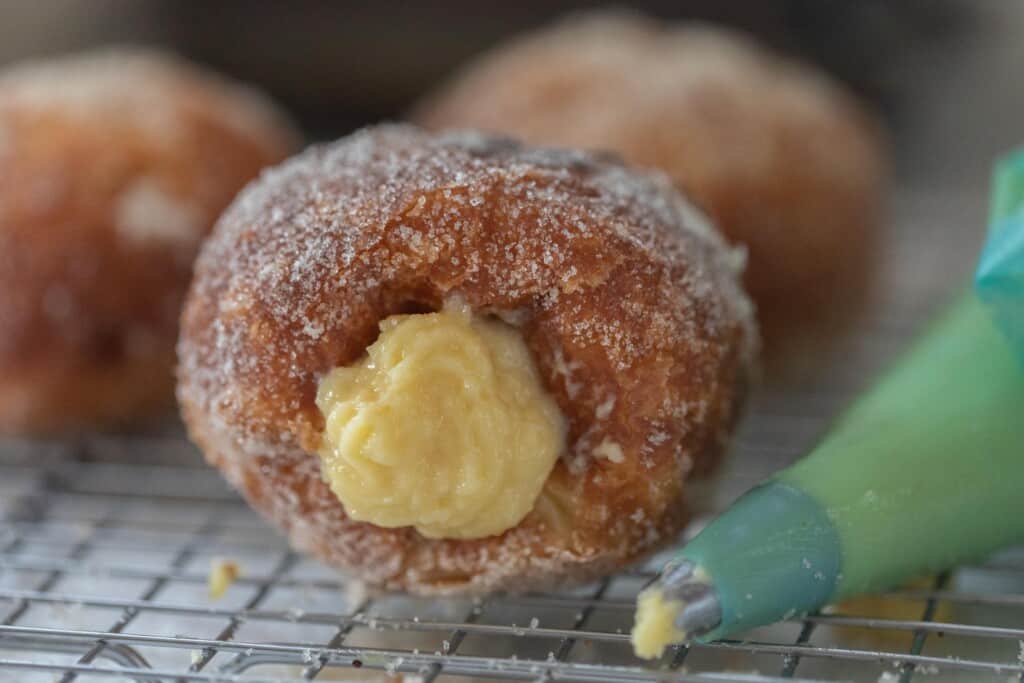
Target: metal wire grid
[(106, 547), (105, 570)]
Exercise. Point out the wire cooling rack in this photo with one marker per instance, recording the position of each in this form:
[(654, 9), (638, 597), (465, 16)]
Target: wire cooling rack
[(106, 547)]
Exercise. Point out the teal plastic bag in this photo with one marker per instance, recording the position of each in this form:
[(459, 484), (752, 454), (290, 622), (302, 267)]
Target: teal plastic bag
[(999, 278)]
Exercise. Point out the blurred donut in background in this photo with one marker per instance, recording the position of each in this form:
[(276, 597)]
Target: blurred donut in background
[(784, 159), (113, 167)]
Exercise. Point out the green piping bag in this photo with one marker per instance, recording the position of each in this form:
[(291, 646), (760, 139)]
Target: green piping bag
[(999, 279), (924, 472)]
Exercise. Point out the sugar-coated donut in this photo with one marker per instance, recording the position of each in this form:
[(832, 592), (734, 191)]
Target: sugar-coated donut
[(628, 301), (783, 159), (113, 166)]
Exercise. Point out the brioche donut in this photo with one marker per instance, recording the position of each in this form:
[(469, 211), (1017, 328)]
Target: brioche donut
[(783, 159), (113, 166), (621, 297)]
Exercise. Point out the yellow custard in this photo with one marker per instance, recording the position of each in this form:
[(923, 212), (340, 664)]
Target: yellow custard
[(655, 627), (443, 426), (223, 573)]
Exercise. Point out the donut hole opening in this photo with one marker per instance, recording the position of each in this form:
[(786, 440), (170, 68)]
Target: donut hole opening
[(415, 307), (444, 425), (419, 303)]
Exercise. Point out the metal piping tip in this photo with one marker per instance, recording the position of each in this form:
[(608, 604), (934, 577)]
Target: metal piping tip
[(689, 584)]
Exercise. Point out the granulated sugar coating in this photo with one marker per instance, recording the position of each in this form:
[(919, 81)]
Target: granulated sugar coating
[(149, 88), (113, 167), (627, 298), (782, 157)]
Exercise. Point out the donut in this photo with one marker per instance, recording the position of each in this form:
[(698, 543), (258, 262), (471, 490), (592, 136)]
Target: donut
[(456, 364), (783, 159), (113, 167)]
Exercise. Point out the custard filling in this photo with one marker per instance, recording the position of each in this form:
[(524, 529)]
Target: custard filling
[(443, 426), (655, 627)]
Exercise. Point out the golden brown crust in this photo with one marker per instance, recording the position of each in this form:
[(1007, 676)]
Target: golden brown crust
[(628, 300), (113, 166), (784, 161)]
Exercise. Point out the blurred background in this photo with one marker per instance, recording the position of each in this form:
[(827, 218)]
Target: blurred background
[(944, 73)]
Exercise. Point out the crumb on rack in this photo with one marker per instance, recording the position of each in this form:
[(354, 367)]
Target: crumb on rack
[(223, 573)]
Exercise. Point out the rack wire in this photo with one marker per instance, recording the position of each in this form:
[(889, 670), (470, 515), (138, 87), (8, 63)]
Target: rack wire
[(106, 546)]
